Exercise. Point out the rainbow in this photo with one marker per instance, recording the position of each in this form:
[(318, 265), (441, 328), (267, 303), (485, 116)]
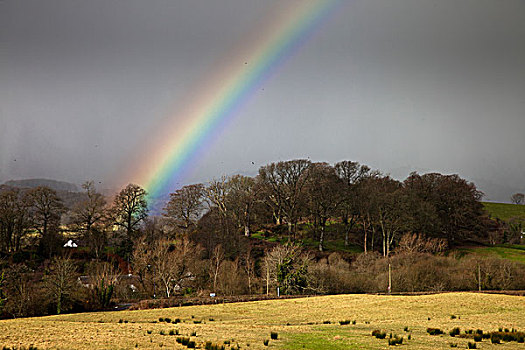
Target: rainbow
[(191, 131)]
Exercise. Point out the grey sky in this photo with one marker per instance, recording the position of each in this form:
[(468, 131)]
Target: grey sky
[(398, 85)]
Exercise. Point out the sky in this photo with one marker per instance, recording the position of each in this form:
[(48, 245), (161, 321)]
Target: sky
[(399, 85)]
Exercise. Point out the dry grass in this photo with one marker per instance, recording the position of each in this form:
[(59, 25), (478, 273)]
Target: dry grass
[(299, 323)]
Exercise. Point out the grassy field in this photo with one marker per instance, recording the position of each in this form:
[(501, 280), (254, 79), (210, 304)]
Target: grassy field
[(512, 252), (300, 324), (504, 211)]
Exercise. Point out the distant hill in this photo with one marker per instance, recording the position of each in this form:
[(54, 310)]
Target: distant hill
[(53, 184)]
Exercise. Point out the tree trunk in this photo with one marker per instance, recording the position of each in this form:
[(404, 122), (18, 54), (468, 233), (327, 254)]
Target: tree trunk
[(321, 237)]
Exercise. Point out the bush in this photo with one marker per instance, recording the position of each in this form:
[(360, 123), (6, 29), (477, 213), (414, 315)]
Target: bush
[(434, 331), (326, 322), (379, 334), (478, 337), (161, 319), (406, 329), (453, 345), (174, 332), (162, 333), (471, 345), (175, 321), (395, 340), (455, 331), (197, 321), (265, 342), (345, 322), (193, 334), (274, 335), (167, 320), (495, 339), (191, 345)]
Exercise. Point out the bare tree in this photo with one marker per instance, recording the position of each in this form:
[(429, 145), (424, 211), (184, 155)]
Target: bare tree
[(61, 281), (185, 206), (169, 264), (130, 208), (89, 217), (286, 182), (287, 268), (324, 196), (350, 174), (242, 197), (47, 210), (216, 260), (518, 198), (15, 219), (217, 194)]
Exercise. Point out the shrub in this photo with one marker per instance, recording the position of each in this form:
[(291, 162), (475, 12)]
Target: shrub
[(191, 345), (434, 331), (395, 340), (274, 335), (266, 341), (479, 331), (495, 338), (120, 321), (477, 337), (471, 345), (354, 322), (453, 345), (452, 317), (379, 334), (174, 332), (207, 346), (161, 319), (149, 332), (211, 319), (197, 321), (167, 320), (326, 322), (227, 342), (193, 334), (409, 336), (162, 333), (185, 341), (455, 331), (345, 322), (406, 329)]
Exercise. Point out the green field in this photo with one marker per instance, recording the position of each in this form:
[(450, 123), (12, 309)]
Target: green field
[(504, 211), (300, 324), (512, 252)]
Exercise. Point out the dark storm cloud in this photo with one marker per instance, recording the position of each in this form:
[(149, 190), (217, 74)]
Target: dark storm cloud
[(400, 85)]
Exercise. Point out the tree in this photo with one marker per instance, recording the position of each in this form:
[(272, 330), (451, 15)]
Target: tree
[(130, 208), (324, 196), (89, 217), (455, 202), (47, 210), (288, 268), (61, 281), (518, 198), (185, 206), (217, 194), (15, 219), (285, 182), (168, 264), (350, 174), (242, 198)]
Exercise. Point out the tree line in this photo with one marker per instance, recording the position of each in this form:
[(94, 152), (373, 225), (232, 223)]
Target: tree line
[(203, 241)]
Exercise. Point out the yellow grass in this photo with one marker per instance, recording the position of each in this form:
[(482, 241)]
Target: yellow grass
[(299, 323)]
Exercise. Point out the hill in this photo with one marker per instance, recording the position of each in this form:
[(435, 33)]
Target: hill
[(505, 211), (307, 323), (53, 184)]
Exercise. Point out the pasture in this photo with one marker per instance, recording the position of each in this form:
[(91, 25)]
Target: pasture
[(307, 323), (505, 211)]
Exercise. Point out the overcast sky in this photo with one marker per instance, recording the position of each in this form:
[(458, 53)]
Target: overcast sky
[(399, 85)]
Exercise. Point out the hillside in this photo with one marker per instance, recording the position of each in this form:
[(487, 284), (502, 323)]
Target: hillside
[(307, 323), (505, 211)]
